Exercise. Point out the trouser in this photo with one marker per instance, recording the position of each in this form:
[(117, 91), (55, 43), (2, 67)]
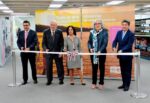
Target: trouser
[(24, 58), (126, 71), (59, 65), (101, 66)]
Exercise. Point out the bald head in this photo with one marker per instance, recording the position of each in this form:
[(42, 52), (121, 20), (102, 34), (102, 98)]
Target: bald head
[(53, 25)]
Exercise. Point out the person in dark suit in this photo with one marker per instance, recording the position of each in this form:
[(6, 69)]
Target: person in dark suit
[(53, 41), (97, 43), (27, 40), (124, 40)]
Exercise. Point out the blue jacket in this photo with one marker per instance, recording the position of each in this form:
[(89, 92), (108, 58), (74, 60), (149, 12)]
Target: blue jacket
[(125, 44), (102, 39), (31, 40)]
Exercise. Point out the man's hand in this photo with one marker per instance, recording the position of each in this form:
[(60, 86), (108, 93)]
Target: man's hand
[(120, 51), (115, 50), (22, 48), (47, 50), (60, 55), (64, 49), (27, 49)]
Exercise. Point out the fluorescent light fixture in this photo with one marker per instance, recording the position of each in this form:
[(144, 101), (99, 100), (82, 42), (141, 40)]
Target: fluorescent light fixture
[(137, 9), (115, 2), (7, 11), (4, 8), (21, 14), (146, 6), (61, 0), (1, 2), (55, 5)]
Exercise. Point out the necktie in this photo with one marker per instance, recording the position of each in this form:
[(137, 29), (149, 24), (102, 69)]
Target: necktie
[(25, 37), (53, 33)]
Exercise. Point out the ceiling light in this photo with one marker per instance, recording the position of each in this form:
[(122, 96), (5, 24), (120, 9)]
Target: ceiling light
[(7, 11), (61, 0), (1, 2), (4, 8), (146, 6), (137, 9), (115, 2), (21, 14), (55, 5)]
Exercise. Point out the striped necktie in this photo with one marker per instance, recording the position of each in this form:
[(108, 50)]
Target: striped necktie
[(53, 34)]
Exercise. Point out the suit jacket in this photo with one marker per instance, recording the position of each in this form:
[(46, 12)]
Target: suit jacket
[(31, 40), (102, 39), (125, 44), (56, 43)]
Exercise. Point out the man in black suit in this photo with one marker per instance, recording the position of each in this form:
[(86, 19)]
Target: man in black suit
[(124, 39), (27, 40), (53, 42)]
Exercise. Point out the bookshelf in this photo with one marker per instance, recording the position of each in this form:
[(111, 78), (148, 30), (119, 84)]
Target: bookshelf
[(142, 34)]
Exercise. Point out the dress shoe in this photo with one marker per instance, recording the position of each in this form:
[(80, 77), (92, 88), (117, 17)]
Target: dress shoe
[(71, 83), (48, 83), (126, 88), (61, 82), (83, 83), (35, 82), (121, 87), (24, 83)]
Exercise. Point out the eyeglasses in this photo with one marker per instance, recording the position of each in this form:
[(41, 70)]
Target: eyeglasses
[(25, 25), (97, 23)]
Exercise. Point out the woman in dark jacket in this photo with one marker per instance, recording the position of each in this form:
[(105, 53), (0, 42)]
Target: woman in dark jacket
[(97, 43)]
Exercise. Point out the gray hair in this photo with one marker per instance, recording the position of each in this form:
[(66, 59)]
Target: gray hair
[(53, 21), (98, 21)]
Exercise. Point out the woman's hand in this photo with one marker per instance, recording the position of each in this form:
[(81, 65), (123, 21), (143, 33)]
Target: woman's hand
[(91, 50)]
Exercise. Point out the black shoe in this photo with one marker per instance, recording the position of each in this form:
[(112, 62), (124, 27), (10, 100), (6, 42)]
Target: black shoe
[(24, 83), (83, 83), (35, 82), (126, 88), (48, 83), (71, 83), (121, 87), (61, 82)]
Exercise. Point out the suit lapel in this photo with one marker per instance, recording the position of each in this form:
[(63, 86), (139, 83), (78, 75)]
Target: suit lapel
[(24, 36), (120, 36), (49, 34)]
